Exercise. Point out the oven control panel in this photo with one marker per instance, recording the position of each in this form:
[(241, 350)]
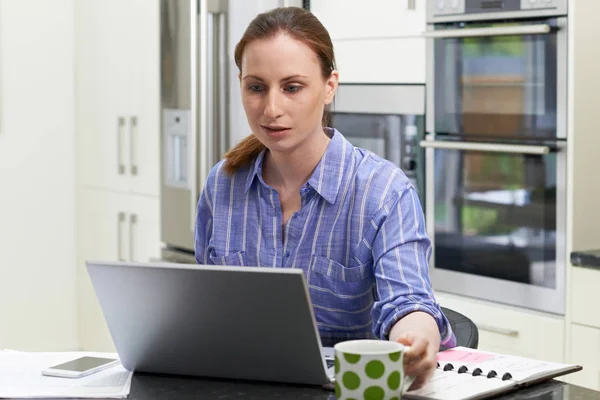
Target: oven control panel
[(529, 4), (447, 8)]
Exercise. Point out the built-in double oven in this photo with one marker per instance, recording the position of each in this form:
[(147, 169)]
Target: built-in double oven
[(496, 140)]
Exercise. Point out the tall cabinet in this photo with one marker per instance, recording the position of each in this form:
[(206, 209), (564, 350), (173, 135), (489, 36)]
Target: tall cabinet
[(117, 130)]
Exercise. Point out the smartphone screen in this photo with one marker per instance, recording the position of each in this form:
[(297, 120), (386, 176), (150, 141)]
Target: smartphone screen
[(83, 364)]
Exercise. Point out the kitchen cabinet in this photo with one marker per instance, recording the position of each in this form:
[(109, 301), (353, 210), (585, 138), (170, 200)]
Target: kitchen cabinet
[(584, 296), (111, 227), (585, 327), (510, 330), (585, 351), (390, 60), (376, 44), (118, 94), (352, 19), (117, 109)]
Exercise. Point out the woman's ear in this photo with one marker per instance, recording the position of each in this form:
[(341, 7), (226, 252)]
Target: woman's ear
[(331, 86)]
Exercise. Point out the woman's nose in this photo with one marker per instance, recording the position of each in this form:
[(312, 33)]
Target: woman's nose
[(274, 106)]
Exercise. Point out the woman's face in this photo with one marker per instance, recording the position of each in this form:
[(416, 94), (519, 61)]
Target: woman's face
[(283, 92)]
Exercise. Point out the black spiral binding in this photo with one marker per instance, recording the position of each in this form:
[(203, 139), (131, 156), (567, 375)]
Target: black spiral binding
[(463, 369)]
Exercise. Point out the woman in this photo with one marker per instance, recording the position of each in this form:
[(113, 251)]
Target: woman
[(296, 194)]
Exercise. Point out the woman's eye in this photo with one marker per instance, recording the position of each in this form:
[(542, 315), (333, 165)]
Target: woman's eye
[(255, 88), (293, 88)]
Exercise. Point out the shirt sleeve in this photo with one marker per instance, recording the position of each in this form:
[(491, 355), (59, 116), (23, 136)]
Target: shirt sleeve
[(401, 252), (204, 223)]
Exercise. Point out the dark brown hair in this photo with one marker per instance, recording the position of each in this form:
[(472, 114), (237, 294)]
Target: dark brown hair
[(299, 24)]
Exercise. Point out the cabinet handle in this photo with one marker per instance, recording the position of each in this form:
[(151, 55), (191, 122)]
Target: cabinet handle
[(133, 122), (132, 222), (412, 5), (495, 329), (120, 127), (120, 220)]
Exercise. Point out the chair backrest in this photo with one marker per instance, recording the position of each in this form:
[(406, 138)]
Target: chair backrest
[(465, 330)]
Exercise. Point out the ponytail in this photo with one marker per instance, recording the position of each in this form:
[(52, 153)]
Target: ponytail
[(243, 154)]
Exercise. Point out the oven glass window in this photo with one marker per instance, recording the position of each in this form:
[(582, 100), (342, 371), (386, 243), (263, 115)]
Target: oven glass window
[(495, 215), (496, 86)]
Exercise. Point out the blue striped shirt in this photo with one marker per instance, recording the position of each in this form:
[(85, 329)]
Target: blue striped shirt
[(359, 238)]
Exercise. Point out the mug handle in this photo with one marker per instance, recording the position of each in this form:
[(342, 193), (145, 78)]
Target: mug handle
[(407, 381)]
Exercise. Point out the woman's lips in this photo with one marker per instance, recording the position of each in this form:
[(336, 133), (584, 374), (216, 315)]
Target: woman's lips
[(275, 131)]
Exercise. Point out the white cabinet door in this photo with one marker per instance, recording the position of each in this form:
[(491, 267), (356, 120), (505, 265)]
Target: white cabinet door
[(144, 229), (102, 226), (584, 284), (102, 76), (111, 227), (510, 330), (359, 19), (390, 60), (376, 42), (118, 94), (585, 351), (144, 113)]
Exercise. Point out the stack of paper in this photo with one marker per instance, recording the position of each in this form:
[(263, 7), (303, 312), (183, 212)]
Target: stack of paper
[(21, 376)]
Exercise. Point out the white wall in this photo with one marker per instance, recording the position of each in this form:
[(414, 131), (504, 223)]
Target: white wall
[(37, 176)]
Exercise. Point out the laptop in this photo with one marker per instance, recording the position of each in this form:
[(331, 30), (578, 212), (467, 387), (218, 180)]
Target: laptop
[(251, 323)]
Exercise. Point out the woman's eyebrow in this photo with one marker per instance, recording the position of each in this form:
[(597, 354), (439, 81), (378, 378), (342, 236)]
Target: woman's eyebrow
[(287, 78)]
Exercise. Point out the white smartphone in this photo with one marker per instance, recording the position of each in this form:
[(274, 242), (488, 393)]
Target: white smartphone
[(80, 367)]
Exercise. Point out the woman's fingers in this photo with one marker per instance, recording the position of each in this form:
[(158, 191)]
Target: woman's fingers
[(419, 360)]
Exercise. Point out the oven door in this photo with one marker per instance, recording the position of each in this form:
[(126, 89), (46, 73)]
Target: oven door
[(499, 221), (502, 80)]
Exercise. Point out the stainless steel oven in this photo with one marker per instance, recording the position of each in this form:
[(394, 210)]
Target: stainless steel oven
[(496, 149), (387, 119)]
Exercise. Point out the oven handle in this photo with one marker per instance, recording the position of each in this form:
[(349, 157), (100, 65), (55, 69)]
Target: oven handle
[(489, 147), (537, 29)]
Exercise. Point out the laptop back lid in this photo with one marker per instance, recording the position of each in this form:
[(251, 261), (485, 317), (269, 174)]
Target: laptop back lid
[(212, 321)]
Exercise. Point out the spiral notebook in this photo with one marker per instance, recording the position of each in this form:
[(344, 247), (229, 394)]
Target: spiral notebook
[(468, 374)]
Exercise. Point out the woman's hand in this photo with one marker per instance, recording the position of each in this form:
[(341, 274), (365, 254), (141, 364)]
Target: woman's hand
[(420, 360)]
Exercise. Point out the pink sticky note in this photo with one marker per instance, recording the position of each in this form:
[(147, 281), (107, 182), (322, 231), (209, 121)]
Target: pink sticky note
[(463, 356)]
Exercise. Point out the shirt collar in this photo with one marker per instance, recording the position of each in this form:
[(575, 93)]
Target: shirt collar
[(255, 170), (326, 178)]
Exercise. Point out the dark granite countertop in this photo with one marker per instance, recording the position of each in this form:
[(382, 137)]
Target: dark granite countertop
[(587, 259), (162, 387), (157, 387)]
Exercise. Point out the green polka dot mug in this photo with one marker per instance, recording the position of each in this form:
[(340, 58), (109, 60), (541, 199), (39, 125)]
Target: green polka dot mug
[(370, 369)]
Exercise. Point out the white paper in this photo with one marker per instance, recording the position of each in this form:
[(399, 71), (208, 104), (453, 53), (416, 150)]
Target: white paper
[(21, 376), (452, 385), (449, 386), (521, 369)]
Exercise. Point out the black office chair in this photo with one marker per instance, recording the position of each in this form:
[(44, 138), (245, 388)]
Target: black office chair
[(466, 332)]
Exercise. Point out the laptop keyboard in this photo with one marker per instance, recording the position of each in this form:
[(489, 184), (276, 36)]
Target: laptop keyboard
[(330, 362)]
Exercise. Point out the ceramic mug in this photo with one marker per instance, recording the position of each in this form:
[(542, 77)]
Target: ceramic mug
[(370, 369)]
